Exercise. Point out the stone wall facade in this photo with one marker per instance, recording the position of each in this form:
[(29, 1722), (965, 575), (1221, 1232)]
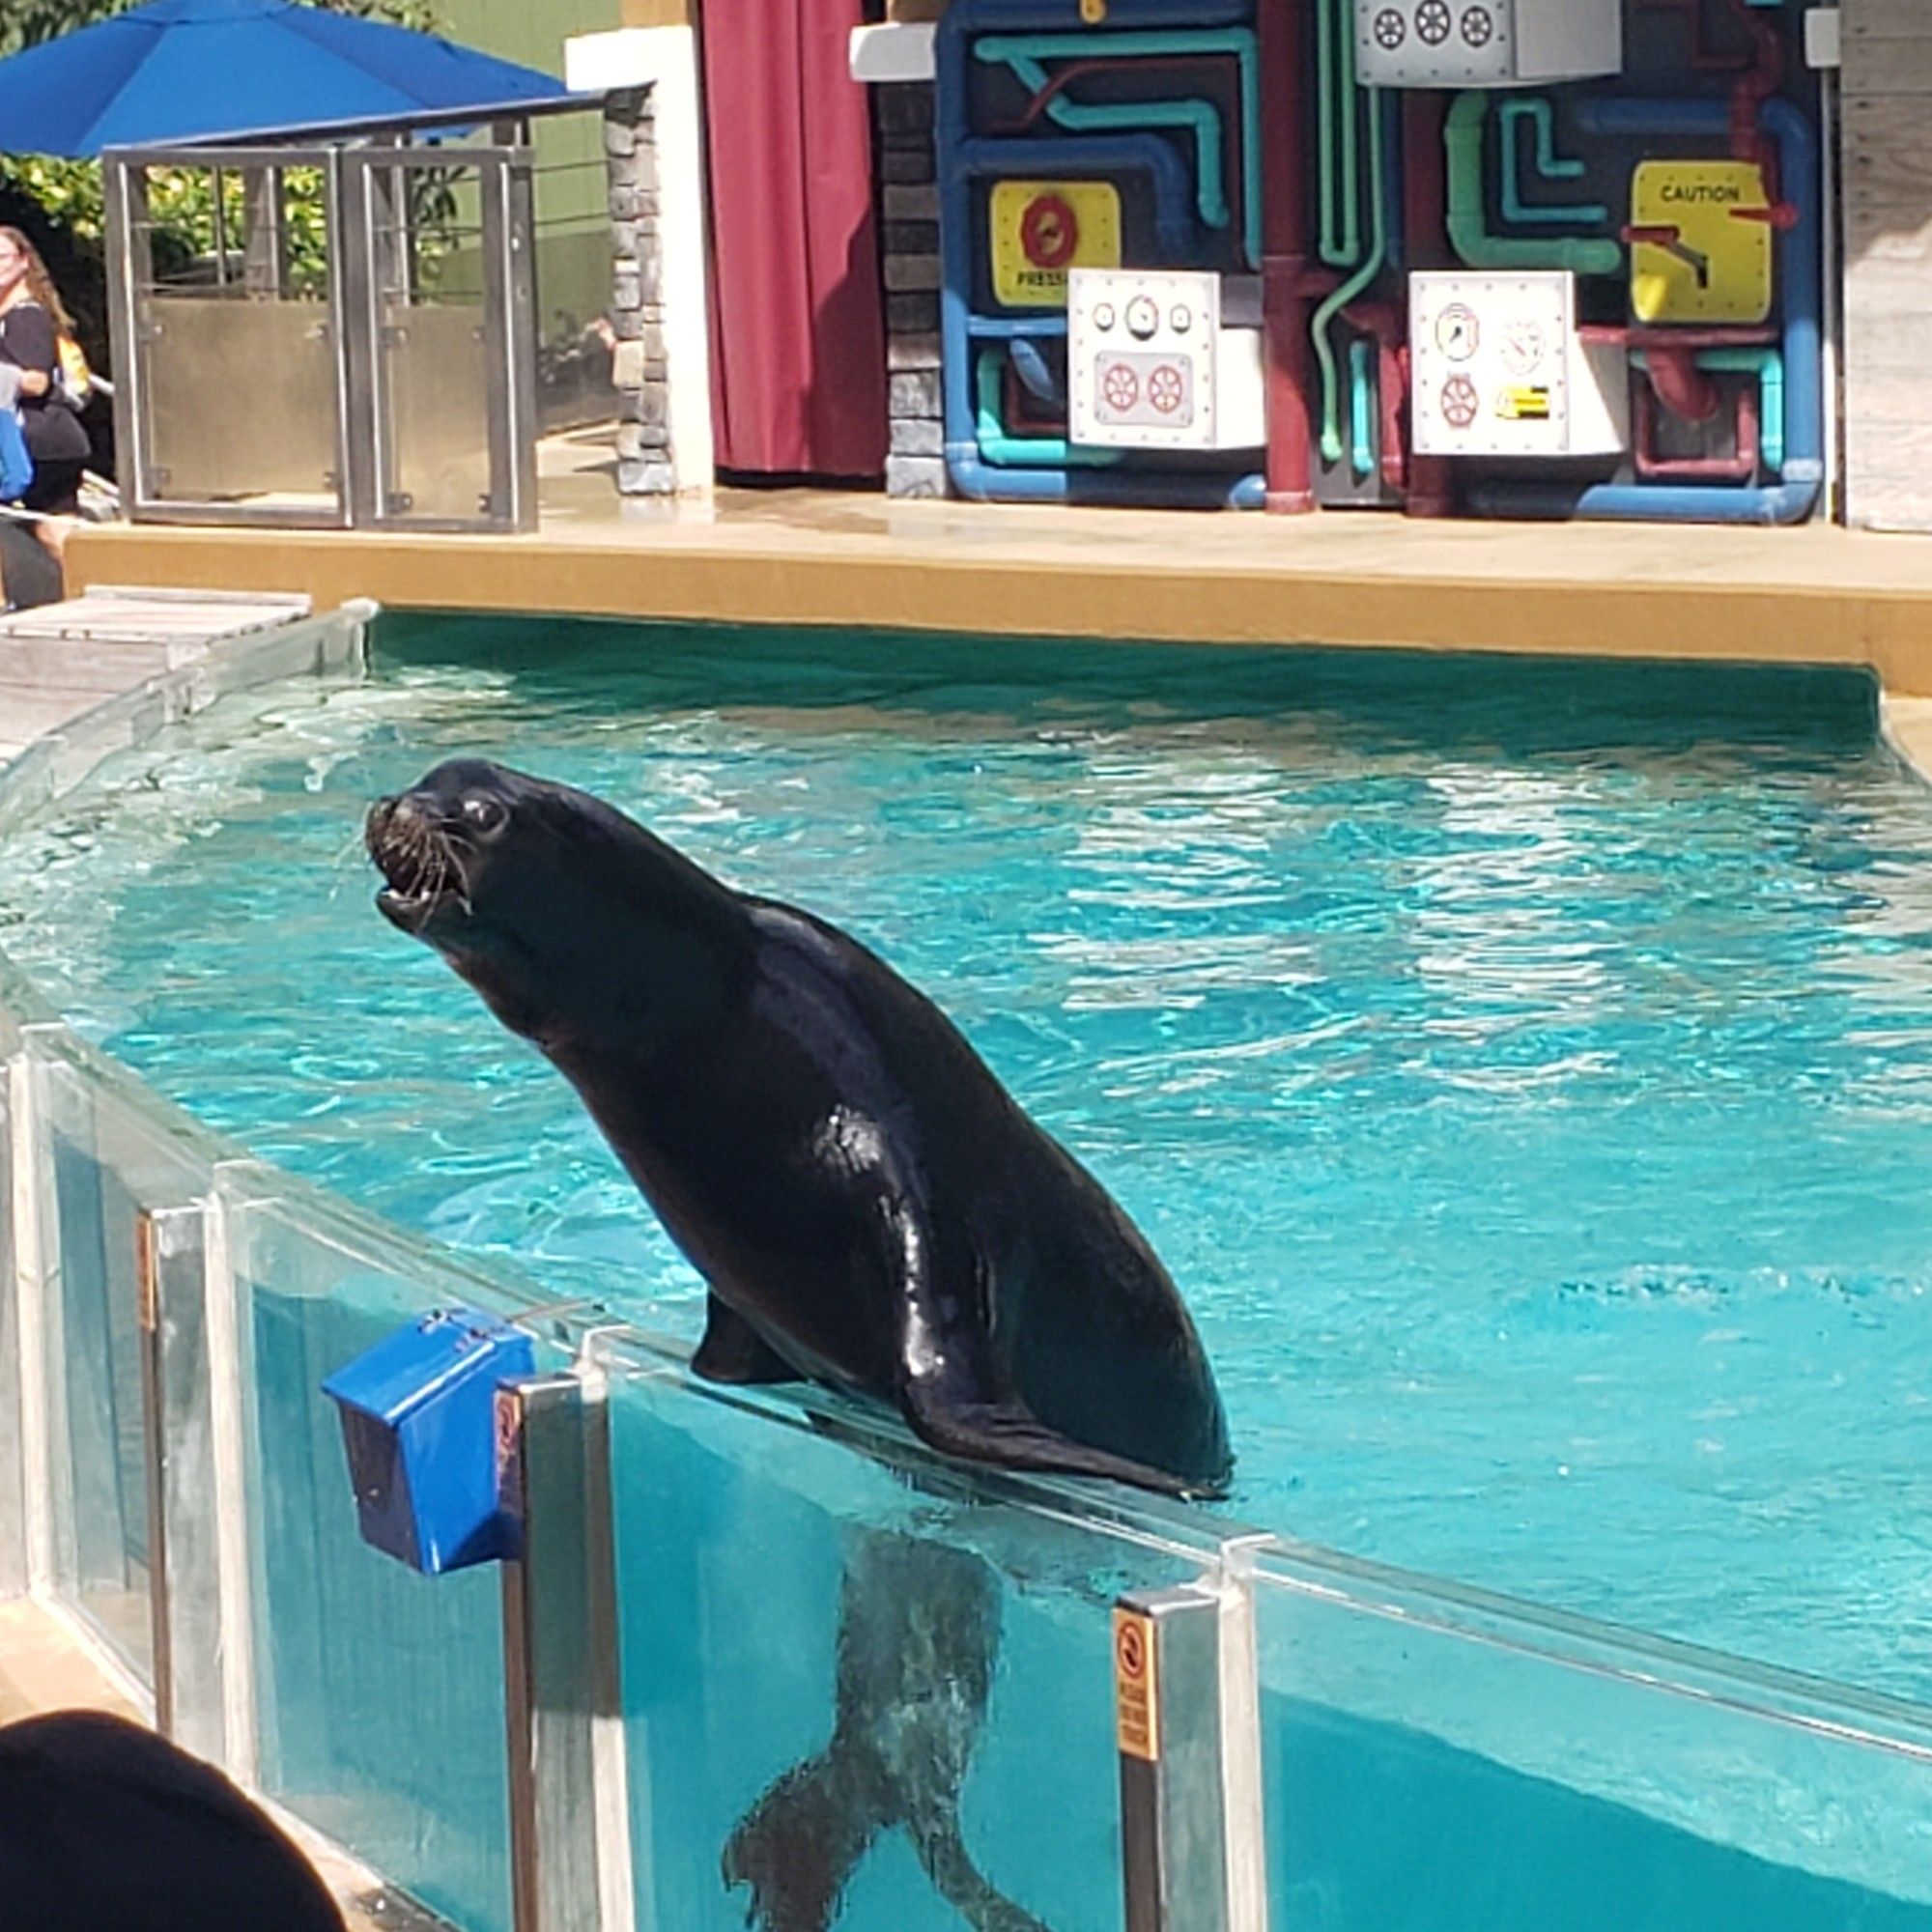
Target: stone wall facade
[(908, 200), (638, 365)]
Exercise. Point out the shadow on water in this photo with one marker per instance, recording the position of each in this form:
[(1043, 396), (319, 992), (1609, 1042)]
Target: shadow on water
[(1521, 706)]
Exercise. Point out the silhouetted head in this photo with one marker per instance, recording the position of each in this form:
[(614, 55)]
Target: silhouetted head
[(549, 903)]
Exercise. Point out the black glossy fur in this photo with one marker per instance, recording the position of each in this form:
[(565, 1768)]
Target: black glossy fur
[(867, 1204)]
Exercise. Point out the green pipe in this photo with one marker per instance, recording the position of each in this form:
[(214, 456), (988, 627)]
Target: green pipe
[(1200, 117), (1362, 398), (1338, 201), (1468, 228), (1022, 452), (1522, 213), (1768, 366), (1011, 49), (1342, 296)]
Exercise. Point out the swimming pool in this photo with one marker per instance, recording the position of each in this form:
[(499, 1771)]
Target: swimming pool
[(1521, 1067)]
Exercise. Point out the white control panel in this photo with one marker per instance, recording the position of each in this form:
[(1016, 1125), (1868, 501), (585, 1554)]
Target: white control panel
[(1500, 369), (1152, 366), (1486, 42)]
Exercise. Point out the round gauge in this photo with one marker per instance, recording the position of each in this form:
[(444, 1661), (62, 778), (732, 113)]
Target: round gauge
[(1104, 315), (1458, 332), (1143, 317), (1433, 20), (1523, 346), (1180, 319)]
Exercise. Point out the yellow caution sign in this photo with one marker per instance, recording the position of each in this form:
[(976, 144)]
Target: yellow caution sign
[(1523, 405), (1042, 228), (1136, 1715), (1701, 243)]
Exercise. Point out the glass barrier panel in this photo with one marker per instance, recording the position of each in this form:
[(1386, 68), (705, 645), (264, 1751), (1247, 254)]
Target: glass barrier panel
[(846, 1685), (240, 392), (108, 1162), (434, 369), (1503, 1777), (14, 1575), (380, 1692)]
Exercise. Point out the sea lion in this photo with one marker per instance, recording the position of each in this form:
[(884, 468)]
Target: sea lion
[(867, 1205)]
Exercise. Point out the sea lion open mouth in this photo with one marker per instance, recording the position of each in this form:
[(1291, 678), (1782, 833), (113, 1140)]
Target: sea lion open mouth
[(420, 861)]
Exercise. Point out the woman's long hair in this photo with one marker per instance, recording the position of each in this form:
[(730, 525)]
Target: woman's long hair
[(40, 284)]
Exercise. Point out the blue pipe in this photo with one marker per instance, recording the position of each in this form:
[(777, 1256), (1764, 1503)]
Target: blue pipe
[(961, 157), (1023, 53), (1792, 499)]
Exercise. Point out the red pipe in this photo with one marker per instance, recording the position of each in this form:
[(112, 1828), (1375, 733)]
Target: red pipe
[(1281, 37), (1425, 197), (1680, 387), (1624, 335), (1739, 468)]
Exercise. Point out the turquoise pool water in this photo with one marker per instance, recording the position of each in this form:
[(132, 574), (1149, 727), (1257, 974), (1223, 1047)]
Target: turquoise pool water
[(1522, 1068)]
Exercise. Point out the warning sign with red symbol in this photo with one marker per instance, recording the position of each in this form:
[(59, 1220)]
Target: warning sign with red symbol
[(1145, 390), (1136, 1714), (1042, 228)]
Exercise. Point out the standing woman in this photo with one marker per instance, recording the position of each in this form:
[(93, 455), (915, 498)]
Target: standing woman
[(32, 322)]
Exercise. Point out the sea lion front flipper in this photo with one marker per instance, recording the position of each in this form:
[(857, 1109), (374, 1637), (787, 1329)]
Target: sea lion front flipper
[(734, 1351)]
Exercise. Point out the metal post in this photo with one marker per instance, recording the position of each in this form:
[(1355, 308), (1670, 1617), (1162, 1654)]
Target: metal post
[(36, 1304), (1187, 1703), (191, 1700), (509, 290), (569, 1825), (125, 190), (228, 1383), (154, 1455)]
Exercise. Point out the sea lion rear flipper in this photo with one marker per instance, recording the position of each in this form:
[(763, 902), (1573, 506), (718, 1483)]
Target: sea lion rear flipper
[(734, 1351)]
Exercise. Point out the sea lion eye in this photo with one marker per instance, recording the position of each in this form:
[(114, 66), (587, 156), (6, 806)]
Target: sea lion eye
[(486, 815)]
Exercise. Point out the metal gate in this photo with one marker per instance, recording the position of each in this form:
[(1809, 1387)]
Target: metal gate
[(335, 337)]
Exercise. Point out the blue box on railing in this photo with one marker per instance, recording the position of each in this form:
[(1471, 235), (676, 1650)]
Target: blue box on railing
[(419, 1421)]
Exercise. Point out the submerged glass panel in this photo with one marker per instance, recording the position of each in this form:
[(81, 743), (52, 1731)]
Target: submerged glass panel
[(837, 1687), (381, 1691), (1479, 1774), (108, 1163)]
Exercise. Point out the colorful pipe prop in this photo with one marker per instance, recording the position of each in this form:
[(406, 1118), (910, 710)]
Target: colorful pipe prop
[(963, 159), (1340, 243), (1025, 452), (1023, 53), (1522, 213), (1355, 286), (1738, 468), (1803, 469), (1468, 226)]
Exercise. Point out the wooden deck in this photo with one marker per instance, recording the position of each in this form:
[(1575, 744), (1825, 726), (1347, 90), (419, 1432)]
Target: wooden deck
[(63, 659)]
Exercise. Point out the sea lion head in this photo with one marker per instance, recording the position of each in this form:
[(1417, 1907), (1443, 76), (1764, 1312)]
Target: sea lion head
[(552, 904)]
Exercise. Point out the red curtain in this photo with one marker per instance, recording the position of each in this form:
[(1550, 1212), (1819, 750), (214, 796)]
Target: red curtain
[(798, 334)]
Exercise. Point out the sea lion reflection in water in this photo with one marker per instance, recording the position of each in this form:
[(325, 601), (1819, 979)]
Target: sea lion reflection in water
[(870, 1209)]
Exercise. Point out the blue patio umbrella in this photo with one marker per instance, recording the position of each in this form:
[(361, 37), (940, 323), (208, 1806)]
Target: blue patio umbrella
[(183, 70)]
